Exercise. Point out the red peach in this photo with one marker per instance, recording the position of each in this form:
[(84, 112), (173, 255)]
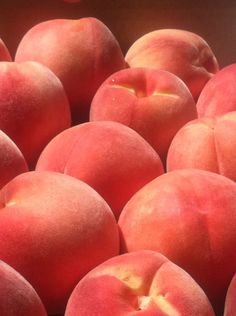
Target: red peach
[(12, 162), (219, 95), (183, 53), (82, 53), (138, 283), (230, 302), (155, 103), (109, 156), (53, 230), (190, 217), (33, 106), (206, 143), (17, 296), (4, 52)]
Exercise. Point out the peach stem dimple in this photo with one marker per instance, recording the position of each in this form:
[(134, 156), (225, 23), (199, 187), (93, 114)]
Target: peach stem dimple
[(143, 302), (10, 203)]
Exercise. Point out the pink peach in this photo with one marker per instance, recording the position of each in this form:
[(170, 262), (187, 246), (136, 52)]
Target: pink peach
[(12, 162), (82, 53), (189, 216), (4, 52), (183, 53), (53, 230), (109, 156), (219, 95), (33, 106), (230, 302), (138, 283), (155, 103), (207, 144), (17, 296)]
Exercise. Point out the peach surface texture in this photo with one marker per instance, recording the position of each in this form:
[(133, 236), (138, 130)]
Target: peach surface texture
[(189, 216), (138, 283), (78, 52), (181, 52), (53, 230), (155, 103), (109, 156)]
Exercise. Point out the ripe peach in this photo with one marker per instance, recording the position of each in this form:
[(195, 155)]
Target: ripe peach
[(230, 302), (190, 217), (17, 296), (183, 53), (53, 230), (109, 156), (12, 161), (4, 52), (33, 106), (155, 103), (206, 143), (82, 53), (219, 96), (143, 282)]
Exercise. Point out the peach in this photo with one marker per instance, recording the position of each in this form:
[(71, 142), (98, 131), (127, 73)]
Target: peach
[(17, 296), (218, 96), (155, 103), (189, 216), (138, 283), (12, 162), (82, 53), (4, 52), (230, 302), (53, 230), (109, 156), (206, 143), (33, 106), (183, 53)]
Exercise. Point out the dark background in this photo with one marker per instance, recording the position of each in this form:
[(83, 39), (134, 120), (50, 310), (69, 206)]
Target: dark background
[(128, 20)]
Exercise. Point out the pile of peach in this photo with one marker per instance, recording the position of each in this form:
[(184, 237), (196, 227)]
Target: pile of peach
[(116, 174)]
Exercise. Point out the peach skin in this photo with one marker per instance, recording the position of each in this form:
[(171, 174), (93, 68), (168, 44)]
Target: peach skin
[(109, 156), (33, 106), (12, 162), (183, 53), (230, 302), (138, 283), (207, 144), (218, 96), (189, 216), (155, 103), (4, 52), (17, 296), (53, 230), (82, 53)]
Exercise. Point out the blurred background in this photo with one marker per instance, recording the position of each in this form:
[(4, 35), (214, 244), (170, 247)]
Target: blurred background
[(215, 21)]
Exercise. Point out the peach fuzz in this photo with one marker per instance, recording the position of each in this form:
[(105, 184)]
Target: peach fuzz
[(17, 296), (12, 162), (190, 217), (109, 156), (207, 144), (155, 103), (230, 302), (82, 53), (53, 230), (33, 106), (218, 96), (138, 283), (4, 52), (183, 53)]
